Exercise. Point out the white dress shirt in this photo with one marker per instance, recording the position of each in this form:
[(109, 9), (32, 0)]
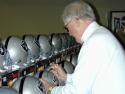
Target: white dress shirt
[(101, 65)]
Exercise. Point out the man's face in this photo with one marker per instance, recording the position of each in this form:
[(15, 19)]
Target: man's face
[(73, 29)]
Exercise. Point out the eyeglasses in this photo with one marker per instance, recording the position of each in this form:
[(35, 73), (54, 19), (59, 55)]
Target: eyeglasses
[(66, 25)]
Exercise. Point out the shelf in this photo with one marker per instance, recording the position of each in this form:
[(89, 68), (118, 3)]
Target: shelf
[(7, 79)]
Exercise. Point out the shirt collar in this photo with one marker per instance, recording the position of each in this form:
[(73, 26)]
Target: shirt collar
[(89, 31)]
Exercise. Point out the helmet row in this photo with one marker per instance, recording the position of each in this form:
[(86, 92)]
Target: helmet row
[(32, 85), (17, 52)]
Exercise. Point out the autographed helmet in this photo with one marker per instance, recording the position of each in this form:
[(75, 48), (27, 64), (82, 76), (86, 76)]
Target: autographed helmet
[(7, 90), (18, 51), (29, 85), (33, 48), (45, 46)]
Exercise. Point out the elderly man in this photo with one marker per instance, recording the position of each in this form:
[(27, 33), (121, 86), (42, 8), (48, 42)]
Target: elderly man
[(101, 62)]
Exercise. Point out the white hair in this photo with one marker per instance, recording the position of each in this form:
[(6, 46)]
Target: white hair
[(78, 9)]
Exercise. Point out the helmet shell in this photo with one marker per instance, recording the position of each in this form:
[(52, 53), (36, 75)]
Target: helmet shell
[(7, 90), (17, 49), (45, 46), (56, 42), (33, 47), (29, 85)]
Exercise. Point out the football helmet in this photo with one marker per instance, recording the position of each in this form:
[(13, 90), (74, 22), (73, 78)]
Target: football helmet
[(29, 85), (56, 42), (46, 48), (18, 51), (33, 48)]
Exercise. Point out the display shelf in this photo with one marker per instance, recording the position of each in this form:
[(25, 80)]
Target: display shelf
[(6, 79)]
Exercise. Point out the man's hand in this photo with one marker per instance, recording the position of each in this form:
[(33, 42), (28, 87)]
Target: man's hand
[(59, 72), (47, 85)]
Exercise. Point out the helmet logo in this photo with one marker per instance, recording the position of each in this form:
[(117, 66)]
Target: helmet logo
[(40, 86), (24, 46)]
